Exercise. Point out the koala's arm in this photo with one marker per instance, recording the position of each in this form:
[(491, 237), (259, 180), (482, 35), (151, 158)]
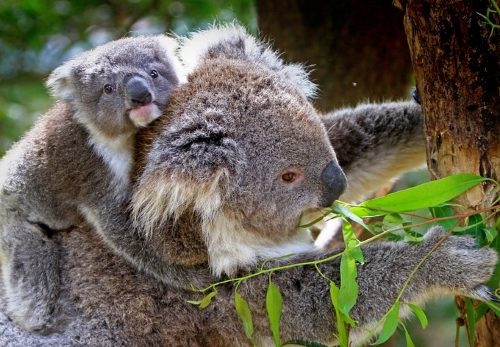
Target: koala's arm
[(112, 222), (457, 266), (376, 142)]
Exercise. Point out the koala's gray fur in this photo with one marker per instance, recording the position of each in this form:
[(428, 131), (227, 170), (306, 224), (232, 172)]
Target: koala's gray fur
[(208, 194), (81, 149), (376, 142)]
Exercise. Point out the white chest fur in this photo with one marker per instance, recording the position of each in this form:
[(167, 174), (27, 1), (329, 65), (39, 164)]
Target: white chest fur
[(231, 248), (116, 152)]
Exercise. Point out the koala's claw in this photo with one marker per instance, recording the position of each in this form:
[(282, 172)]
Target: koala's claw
[(484, 293), (416, 96), (494, 297)]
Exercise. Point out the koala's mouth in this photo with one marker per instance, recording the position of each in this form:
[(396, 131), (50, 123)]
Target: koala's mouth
[(142, 115), (312, 216)]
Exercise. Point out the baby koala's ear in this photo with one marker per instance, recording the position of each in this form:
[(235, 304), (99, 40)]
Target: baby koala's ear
[(60, 81), (232, 41)]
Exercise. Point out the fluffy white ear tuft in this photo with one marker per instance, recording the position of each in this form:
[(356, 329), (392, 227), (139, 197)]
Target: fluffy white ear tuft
[(170, 46), (233, 42), (59, 81), (157, 199)]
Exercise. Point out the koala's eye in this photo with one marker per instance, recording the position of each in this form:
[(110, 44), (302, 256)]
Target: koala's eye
[(289, 177), (153, 73), (108, 89)]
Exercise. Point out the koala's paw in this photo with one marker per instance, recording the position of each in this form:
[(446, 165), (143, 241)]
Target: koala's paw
[(31, 305), (460, 265), (39, 320), (27, 315)]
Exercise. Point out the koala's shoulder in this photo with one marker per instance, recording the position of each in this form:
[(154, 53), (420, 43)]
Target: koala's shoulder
[(53, 134), (58, 123)]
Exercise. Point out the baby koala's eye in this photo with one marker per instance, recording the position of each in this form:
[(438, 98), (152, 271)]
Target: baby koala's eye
[(153, 73), (108, 88)]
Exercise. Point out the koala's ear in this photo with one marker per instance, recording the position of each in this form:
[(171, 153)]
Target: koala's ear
[(188, 166), (169, 46), (60, 81), (233, 42), (197, 147)]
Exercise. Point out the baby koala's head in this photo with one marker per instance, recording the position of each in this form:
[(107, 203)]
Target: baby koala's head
[(120, 86)]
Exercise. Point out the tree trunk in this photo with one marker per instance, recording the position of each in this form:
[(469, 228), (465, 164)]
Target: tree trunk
[(457, 72), (356, 48)]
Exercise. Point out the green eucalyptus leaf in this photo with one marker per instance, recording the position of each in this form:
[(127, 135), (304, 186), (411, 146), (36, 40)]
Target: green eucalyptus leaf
[(494, 307), (409, 341), (274, 304), (343, 337), (490, 233), (348, 293), (357, 254), (494, 282), (481, 311), (471, 319), (194, 302), (422, 196), (475, 225), (413, 238), (393, 219), (245, 315), (207, 299), (347, 213), (351, 242), (417, 310), (475, 222), (444, 211), (496, 243), (390, 324)]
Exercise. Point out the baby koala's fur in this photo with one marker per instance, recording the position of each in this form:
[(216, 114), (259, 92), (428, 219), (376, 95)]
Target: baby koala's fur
[(80, 149)]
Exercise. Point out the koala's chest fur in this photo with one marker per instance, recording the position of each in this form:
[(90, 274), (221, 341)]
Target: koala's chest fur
[(116, 153)]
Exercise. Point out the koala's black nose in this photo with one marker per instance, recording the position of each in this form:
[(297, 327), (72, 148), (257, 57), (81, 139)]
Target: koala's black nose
[(335, 181), (138, 92)]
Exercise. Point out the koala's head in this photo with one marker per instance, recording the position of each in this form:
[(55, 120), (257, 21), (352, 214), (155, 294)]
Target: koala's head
[(119, 86), (242, 147)]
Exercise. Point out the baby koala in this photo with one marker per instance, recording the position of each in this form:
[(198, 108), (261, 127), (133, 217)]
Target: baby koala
[(81, 148)]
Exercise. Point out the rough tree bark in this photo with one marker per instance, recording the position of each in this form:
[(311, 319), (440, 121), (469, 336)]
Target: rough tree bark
[(357, 48), (457, 72)]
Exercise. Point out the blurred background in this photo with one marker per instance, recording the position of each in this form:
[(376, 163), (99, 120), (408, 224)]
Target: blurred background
[(356, 51)]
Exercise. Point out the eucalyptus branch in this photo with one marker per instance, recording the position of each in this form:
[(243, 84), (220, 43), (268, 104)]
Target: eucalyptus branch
[(337, 255)]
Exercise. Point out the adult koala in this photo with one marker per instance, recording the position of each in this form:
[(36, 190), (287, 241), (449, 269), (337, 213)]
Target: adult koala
[(221, 182)]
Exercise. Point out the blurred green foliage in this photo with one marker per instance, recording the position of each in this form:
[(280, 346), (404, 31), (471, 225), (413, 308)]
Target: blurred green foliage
[(37, 36)]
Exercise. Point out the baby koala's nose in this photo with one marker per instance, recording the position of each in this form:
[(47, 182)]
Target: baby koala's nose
[(335, 183), (138, 92)]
